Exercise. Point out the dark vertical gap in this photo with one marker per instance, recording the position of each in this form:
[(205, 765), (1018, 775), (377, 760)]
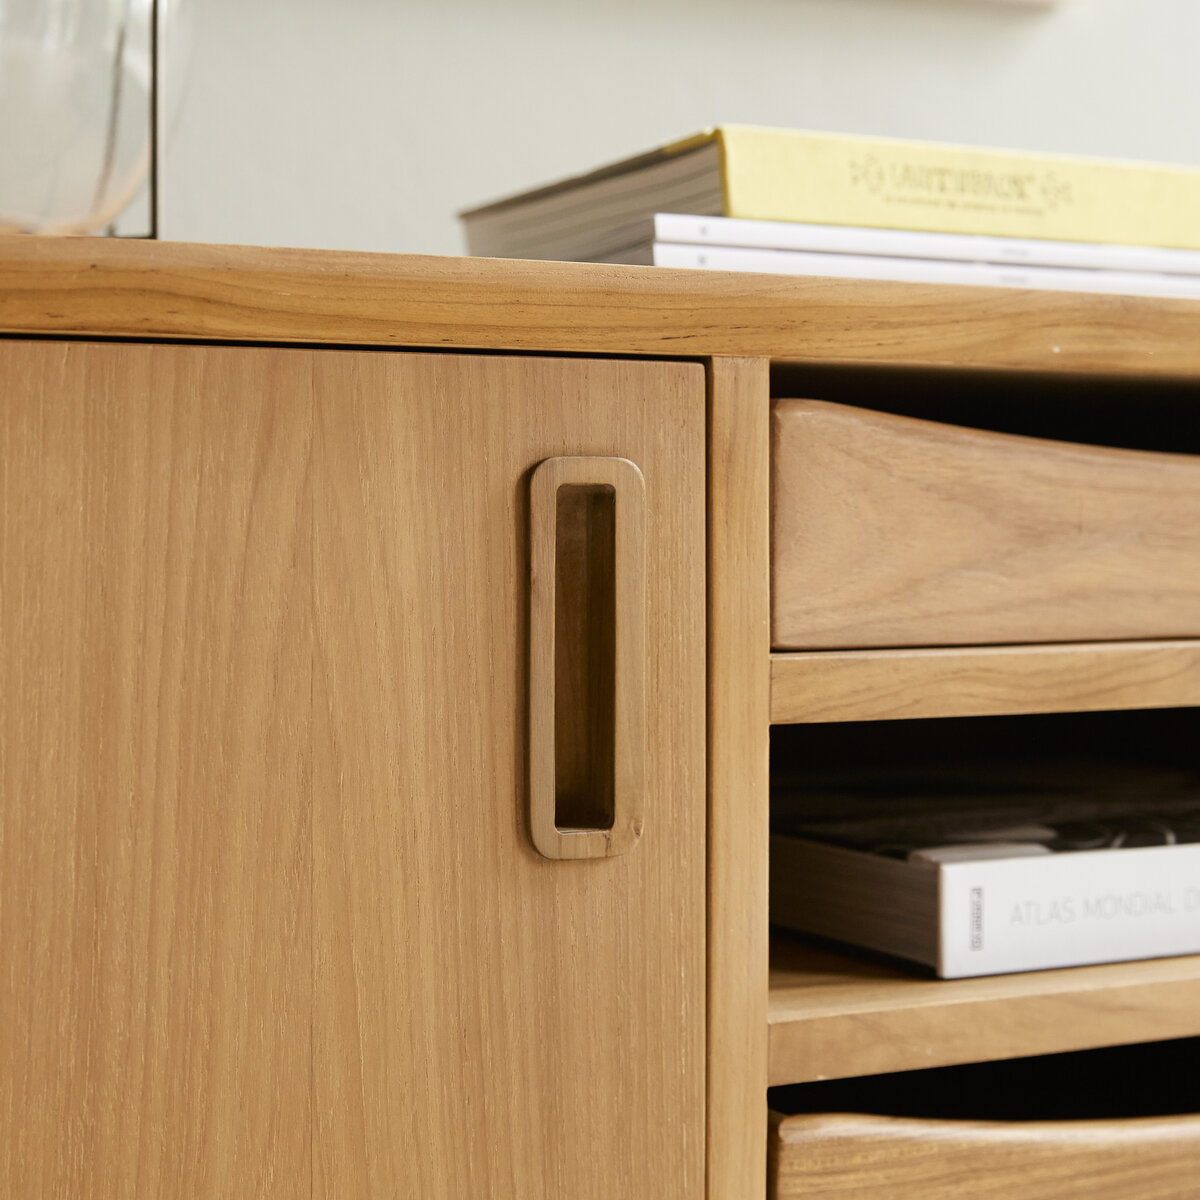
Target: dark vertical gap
[(154, 81), (584, 657)]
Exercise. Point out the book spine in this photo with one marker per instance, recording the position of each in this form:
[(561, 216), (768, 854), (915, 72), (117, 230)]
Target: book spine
[(1065, 910), (907, 243), (783, 175), (918, 270)]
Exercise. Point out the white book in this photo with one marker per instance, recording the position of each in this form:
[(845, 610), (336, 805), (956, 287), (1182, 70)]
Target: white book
[(997, 912), (902, 243), (907, 270)]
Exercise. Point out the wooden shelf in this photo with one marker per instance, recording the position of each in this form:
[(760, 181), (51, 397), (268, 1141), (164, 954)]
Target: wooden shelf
[(873, 685), (119, 287), (834, 1015)]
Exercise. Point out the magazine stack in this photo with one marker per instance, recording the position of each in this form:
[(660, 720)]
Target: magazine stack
[(787, 202)]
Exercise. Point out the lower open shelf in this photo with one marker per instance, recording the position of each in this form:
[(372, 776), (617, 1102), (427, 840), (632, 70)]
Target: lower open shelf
[(832, 1015)]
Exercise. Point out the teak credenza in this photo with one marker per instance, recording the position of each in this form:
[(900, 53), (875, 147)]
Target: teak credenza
[(386, 689)]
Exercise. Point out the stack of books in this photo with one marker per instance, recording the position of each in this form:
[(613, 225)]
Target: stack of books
[(990, 885), (789, 202)]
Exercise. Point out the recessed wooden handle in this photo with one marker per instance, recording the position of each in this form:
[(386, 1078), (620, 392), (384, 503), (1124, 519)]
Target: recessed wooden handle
[(587, 656)]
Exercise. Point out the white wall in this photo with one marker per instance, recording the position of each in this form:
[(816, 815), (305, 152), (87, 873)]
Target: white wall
[(367, 124)]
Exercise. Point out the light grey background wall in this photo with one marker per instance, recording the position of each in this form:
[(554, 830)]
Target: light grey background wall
[(366, 124)]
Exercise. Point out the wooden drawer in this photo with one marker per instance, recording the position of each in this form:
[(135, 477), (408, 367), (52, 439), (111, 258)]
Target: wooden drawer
[(1120, 1123), (892, 531), (860, 1157)]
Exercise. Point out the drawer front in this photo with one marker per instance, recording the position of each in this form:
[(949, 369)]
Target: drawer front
[(853, 1157), (892, 531)]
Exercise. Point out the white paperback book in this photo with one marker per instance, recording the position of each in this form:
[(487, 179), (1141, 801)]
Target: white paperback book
[(688, 230), (993, 907), (906, 269)]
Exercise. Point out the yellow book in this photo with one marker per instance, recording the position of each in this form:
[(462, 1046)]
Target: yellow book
[(840, 179)]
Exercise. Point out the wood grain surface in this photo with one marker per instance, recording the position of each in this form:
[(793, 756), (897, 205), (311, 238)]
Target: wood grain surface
[(987, 681), (488, 1022), (738, 735), (125, 288), (155, 988), (862, 1157), (891, 531), (835, 1015)]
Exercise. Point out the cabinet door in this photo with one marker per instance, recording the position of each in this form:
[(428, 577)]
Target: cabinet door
[(489, 1022), (155, 853)]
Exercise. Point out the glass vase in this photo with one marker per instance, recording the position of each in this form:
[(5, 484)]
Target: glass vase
[(75, 111)]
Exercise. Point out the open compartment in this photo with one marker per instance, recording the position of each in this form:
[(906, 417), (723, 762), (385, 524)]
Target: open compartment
[(827, 996)]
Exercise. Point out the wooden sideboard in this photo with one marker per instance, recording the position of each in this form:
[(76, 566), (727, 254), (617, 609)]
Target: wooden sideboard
[(272, 920)]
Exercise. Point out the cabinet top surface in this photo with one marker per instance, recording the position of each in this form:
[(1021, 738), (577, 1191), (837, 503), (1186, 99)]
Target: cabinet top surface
[(97, 287)]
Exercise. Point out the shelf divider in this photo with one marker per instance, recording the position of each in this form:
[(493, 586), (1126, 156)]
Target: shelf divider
[(834, 1015), (974, 681)]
